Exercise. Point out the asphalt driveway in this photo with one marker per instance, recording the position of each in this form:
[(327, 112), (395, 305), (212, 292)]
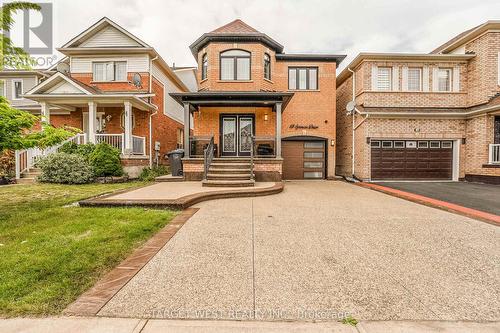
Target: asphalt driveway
[(483, 197), (317, 251)]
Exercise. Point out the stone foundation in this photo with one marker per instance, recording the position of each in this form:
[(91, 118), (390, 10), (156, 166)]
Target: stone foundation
[(133, 165)]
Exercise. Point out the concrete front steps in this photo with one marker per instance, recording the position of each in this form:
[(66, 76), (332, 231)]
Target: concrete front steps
[(29, 176), (230, 172)]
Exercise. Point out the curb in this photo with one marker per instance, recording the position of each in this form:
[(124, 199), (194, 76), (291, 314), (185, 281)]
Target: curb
[(435, 203), (182, 202)]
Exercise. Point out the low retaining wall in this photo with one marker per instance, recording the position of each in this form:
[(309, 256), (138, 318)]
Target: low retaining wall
[(133, 165)]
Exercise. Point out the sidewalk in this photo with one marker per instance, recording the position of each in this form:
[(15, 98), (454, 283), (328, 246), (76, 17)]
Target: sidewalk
[(130, 325)]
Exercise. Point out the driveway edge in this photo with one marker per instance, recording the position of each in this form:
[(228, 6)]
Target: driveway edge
[(92, 301), (443, 205)]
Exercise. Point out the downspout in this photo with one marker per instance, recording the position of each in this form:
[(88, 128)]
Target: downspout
[(353, 116), (152, 114)]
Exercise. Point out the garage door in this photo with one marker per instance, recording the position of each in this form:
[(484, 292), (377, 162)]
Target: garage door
[(303, 159), (411, 159)]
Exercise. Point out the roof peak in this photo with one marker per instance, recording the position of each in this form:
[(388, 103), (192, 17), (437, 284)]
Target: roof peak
[(235, 26)]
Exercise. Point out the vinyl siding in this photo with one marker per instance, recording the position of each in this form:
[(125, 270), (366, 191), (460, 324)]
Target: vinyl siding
[(135, 63), (170, 108), (110, 37), (28, 83)]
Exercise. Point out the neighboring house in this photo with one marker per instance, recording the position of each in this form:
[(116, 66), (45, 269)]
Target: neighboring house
[(114, 87), (424, 116), (14, 83), (260, 106)]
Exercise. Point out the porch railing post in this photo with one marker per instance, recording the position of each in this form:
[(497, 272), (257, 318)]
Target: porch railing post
[(18, 164), (251, 157), (92, 122), (123, 143)]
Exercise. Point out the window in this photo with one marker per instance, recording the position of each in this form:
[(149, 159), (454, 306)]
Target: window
[(414, 79), (315, 174), (267, 66), (313, 154), (303, 78), (384, 81), (2, 88), (313, 144), (399, 144), (411, 144), (444, 79), (435, 144), (180, 138), (204, 66), (375, 144), (386, 144), (17, 87), (235, 65), (109, 71), (446, 144), (423, 144), (313, 165)]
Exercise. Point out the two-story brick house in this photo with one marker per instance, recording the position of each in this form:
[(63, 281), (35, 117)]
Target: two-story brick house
[(115, 88), (257, 103), (423, 116)]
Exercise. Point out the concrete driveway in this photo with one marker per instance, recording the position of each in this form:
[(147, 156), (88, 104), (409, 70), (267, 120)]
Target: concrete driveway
[(483, 197), (317, 251)]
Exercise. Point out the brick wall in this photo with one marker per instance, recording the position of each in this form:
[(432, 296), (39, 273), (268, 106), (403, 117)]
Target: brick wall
[(115, 86), (479, 135)]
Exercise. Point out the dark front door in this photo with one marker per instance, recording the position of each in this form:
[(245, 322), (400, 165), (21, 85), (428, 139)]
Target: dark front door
[(497, 130), (236, 134)]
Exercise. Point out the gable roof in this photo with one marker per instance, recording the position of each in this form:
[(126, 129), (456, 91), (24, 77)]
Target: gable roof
[(466, 36), (58, 80), (236, 26), (99, 27), (235, 31)]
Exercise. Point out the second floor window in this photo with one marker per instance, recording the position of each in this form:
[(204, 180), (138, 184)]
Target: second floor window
[(444, 79), (109, 71), (384, 81), (235, 65), (414, 79), (2, 88), (204, 66), (303, 78), (267, 66), (18, 89)]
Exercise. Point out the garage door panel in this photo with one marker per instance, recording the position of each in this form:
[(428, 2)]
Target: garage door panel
[(303, 159), (411, 163)]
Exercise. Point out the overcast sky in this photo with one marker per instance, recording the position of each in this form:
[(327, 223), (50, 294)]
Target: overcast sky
[(345, 27)]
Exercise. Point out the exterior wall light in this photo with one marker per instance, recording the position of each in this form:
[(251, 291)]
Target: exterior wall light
[(266, 117)]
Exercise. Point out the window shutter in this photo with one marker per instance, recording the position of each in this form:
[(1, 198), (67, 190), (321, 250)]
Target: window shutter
[(404, 75), (395, 78), (374, 77), (435, 79), (425, 79), (456, 79)]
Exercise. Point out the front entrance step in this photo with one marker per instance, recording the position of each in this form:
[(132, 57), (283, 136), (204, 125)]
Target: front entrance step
[(230, 176), (169, 178), (228, 183), (231, 165), (31, 174), (231, 159), (25, 180), (228, 170)]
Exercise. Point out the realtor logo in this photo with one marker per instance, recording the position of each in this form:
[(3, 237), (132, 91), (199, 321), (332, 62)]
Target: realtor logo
[(33, 30)]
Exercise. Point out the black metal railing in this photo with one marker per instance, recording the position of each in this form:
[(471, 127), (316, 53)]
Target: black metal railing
[(208, 156), (251, 157)]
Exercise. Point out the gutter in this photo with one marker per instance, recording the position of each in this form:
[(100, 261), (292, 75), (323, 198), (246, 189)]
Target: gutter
[(152, 114), (464, 115)]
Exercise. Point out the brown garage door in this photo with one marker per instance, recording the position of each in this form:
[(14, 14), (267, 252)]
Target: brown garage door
[(411, 159), (303, 159)]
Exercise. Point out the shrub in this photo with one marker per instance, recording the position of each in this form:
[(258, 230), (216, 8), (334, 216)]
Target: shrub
[(105, 161), (7, 166), (65, 168), (148, 174), (73, 148), (69, 148)]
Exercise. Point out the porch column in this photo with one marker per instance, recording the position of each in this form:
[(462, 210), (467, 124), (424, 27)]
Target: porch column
[(92, 121), (186, 130), (128, 127), (278, 130), (45, 112)]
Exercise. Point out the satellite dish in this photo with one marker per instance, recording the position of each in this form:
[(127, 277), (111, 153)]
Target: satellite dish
[(62, 67), (350, 106), (136, 80)]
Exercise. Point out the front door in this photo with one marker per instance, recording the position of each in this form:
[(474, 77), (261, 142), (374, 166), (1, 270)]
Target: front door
[(496, 136), (236, 135)]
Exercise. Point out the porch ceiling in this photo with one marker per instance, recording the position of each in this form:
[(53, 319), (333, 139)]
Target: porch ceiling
[(233, 98)]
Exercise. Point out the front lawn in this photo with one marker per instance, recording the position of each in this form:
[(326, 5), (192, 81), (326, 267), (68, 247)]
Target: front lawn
[(50, 254)]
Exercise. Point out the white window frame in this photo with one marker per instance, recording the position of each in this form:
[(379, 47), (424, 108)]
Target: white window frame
[(389, 86), (113, 63), (450, 79), (14, 89), (420, 70), (387, 147), (446, 144), (400, 143), (375, 144), (423, 144), (4, 93)]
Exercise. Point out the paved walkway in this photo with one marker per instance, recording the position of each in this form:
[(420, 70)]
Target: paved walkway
[(129, 325), (483, 197), (320, 250)]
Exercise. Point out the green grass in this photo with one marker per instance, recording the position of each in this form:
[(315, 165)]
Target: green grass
[(50, 254), (349, 321)]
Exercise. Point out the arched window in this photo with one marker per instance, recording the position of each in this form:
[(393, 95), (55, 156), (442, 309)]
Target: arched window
[(204, 66), (235, 65), (267, 66)]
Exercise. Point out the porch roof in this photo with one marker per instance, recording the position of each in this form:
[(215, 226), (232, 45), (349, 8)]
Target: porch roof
[(233, 98)]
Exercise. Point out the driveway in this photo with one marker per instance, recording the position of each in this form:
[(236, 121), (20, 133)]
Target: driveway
[(483, 197), (317, 251)]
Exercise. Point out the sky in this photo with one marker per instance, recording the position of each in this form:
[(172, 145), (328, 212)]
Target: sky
[(302, 26)]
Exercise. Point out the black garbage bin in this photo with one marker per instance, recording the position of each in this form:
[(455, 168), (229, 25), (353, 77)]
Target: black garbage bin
[(175, 160)]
